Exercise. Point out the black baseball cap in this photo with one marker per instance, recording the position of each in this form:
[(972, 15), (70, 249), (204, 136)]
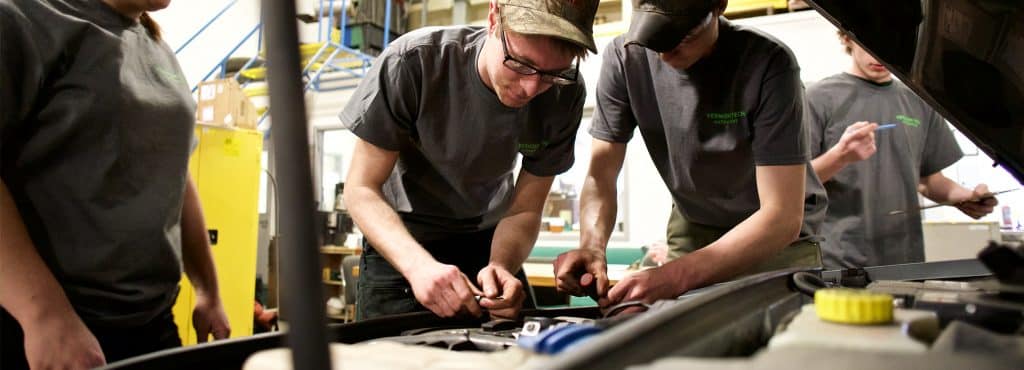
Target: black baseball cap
[(660, 25)]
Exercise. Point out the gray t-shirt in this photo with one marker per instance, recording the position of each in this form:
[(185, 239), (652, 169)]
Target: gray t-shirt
[(457, 143), (96, 126), (858, 229), (708, 127)]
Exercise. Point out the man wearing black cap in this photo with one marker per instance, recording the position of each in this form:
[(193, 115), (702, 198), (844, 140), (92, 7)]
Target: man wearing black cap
[(441, 120), (720, 109)]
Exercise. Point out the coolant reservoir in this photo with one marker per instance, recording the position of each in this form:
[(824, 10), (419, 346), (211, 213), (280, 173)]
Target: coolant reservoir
[(857, 320)]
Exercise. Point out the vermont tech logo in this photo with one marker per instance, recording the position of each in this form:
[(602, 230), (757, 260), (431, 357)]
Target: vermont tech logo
[(907, 120), (528, 148), (726, 118), (167, 75)]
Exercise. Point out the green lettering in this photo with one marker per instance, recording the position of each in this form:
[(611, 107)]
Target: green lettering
[(726, 118), (909, 121)]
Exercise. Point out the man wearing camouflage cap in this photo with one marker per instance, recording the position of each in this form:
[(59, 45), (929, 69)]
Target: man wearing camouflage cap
[(720, 109), (441, 119)]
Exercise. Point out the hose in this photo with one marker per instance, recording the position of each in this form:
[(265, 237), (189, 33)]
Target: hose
[(807, 283)]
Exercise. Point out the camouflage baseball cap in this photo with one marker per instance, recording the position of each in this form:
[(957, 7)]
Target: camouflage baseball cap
[(660, 25), (570, 20)]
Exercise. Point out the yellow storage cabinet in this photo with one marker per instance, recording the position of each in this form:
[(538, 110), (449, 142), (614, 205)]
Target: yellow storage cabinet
[(226, 169)]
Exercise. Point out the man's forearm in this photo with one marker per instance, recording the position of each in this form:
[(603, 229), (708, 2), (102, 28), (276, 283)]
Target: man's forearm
[(381, 225), (598, 209), (517, 231), (514, 239), (197, 257), (856, 144), (941, 189), (828, 164), (754, 240), (28, 290), (772, 227)]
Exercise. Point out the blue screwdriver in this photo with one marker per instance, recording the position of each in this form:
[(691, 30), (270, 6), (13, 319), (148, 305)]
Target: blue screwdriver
[(885, 127)]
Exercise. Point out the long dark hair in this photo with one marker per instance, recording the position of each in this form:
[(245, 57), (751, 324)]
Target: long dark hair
[(151, 26)]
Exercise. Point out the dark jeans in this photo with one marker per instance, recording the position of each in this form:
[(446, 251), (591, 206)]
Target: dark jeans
[(384, 291), (117, 344)]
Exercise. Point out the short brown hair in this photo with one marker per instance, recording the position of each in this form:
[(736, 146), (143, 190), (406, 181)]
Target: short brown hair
[(842, 37), (563, 45)]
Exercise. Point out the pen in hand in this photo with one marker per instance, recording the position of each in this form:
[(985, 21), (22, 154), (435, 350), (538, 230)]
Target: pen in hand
[(885, 127)]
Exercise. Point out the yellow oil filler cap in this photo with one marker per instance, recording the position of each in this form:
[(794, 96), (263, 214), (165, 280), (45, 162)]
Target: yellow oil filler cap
[(853, 306)]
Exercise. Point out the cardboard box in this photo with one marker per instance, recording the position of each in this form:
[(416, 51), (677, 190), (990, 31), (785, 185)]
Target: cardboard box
[(223, 103)]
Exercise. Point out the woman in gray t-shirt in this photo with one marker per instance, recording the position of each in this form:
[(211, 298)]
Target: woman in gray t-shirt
[(97, 212)]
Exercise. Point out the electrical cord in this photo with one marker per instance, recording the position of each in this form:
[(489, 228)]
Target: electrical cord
[(273, 184), (616, 309), (807, 283), (277, 220)]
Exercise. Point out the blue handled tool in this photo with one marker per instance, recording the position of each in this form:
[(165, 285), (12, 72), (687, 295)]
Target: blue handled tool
[(885, 127), (558, 339)]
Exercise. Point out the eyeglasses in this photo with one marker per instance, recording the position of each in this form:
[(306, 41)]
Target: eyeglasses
[(565, 77)]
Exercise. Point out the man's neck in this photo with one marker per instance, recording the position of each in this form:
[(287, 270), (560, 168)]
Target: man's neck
[(877, 82), (856, 71), (481, 63)]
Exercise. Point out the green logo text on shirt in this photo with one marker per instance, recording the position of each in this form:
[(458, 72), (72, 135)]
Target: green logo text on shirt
[(527, 148), (167, 75), (909, 121), (726, 118)]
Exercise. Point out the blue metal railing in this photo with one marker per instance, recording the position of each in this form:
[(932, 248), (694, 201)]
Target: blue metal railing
[(314, 69), (222, 66), (343, 26), (340, 46), (387, 23), (222, 63), (205, 26), (255, 56), (344, 20)]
